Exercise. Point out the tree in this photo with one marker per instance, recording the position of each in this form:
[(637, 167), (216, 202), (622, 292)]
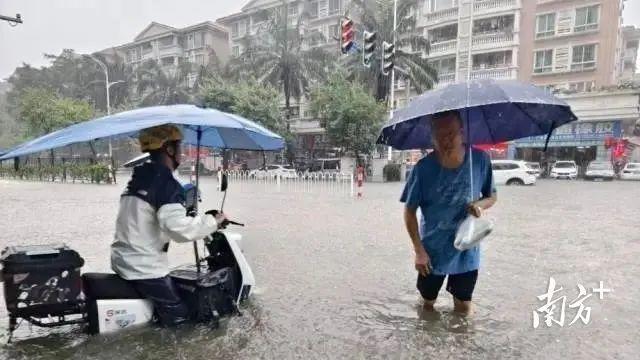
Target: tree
[(43, 111), (158, 86), (410, 46), (247, 98), (351, 116), (74, 76), (278, 57)]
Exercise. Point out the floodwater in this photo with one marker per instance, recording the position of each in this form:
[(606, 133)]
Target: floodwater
[(335, 277)]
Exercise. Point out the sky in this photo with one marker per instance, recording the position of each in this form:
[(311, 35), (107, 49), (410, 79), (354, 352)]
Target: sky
[(91, 25)]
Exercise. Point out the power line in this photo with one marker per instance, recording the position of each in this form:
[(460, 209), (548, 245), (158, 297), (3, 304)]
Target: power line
[(13, 21)]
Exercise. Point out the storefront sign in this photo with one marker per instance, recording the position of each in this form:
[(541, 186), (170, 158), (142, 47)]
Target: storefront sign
[(576, 134)]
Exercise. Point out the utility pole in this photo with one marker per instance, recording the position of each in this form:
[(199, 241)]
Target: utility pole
[(393, 71), (107, 86)]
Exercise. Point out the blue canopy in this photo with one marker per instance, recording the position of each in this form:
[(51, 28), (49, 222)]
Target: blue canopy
[(496, 111), (219, 130)]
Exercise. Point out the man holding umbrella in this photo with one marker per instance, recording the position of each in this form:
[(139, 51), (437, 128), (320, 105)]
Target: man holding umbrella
[(151, 213), (439, 185)]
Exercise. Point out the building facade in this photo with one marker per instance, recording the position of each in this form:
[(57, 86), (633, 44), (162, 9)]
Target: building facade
[(631, 40), (198, 44), (319, 23), (571, 44)]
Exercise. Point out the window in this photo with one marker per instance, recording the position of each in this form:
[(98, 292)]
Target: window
[(583, 57), (235, 29), (492, 60), (445, 66), (166, 41), (200, 59), (437, 5), (444, 33), (493, 25), (582, 86), (293, 10), (586, 18), (198, 40), (334, 6), (167, 61), (247, 26), (545, 25), (543, 61), (147, 48), (313, 9), (236, 51)]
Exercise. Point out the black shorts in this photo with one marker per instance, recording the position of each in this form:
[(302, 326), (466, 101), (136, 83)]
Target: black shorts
[(459, 285)]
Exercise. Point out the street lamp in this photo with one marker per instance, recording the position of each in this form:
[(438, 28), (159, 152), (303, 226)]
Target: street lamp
[(107, 87)]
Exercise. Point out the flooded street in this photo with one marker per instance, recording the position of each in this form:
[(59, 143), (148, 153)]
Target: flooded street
[(335, 275)]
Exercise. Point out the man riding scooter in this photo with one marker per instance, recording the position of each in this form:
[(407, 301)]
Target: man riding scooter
[(151, 213)]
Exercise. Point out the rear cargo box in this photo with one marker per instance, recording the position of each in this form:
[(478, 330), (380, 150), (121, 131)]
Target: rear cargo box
[(41, 280)]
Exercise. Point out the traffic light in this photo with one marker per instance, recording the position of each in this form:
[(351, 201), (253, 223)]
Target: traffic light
[(347, 32), (388, 56), (369, 41)]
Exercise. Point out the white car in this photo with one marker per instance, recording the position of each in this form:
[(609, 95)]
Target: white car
[(631, 171), (535, 167), (273, 171), (512, 172), (600, 170), (564, 170)]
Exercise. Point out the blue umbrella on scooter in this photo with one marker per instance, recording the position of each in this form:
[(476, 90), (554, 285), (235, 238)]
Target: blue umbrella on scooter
[(492, 111), (200, 127)]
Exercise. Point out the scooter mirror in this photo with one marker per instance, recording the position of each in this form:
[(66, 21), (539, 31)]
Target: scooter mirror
[(223, 183)]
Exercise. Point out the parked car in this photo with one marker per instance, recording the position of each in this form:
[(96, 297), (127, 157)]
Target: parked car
[(566, 169), (272, 171), (186, 168), (602, 170), (535, 167), (631, 171), (512, 172)]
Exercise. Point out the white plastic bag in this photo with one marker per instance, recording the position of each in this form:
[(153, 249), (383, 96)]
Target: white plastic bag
[(471, 232)]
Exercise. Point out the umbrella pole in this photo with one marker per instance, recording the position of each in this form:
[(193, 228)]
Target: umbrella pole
[(195, 194)]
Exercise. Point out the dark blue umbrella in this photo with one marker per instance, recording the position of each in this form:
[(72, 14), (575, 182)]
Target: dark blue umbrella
[(217, 129), (492, 112)]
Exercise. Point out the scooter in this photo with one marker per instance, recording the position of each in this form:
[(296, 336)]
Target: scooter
[(43, 285)]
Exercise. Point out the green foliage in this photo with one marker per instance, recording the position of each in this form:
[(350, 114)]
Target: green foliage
[(93, 173), (351, 117), (43, 111), (411, 46), (247, 98), (160, 87), (278, 57), (391, 172)]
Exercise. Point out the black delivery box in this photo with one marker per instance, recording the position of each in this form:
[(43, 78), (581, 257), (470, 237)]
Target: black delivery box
[(41, 280)]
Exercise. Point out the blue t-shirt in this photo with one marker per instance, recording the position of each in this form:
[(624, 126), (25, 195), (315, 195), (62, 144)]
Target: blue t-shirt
[(443, 195)]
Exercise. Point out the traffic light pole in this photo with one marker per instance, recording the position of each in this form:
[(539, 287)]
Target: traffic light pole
[(393, 72)]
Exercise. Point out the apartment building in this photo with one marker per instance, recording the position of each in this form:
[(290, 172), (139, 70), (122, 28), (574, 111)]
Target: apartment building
[(571, 44), (198, 44), (320, 27), (630, 40)]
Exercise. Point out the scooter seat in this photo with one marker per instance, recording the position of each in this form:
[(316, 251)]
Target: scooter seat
[(107, 286)]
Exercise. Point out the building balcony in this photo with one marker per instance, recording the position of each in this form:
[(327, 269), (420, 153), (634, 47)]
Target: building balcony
[(492, 40), (174, 50), (494, 73), (445, 79), (442, 16), (489, 6), (443, 48)]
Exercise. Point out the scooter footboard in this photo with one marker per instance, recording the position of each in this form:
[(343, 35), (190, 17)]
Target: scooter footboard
[(106, 316)]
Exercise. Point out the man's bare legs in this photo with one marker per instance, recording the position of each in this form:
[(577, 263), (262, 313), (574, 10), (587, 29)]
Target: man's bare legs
[(428, 305), (462, 307)]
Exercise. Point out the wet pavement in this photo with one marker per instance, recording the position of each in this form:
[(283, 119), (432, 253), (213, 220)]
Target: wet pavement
[(335, 277)]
